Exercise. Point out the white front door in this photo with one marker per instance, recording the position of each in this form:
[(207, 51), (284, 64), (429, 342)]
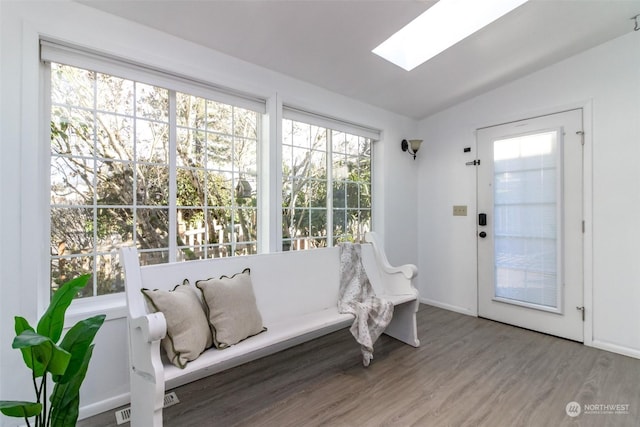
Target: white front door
[(530, 225)]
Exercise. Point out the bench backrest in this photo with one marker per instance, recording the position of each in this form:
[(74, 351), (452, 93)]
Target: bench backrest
[(285, 283)]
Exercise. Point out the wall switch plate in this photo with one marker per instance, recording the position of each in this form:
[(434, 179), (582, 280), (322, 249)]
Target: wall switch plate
[(460, 210)]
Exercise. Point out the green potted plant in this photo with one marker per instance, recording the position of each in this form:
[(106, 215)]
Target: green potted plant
[(66, 360)]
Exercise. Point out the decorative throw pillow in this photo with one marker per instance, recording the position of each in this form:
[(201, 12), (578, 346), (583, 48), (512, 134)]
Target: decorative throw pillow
[(188, 333), (233, 312)]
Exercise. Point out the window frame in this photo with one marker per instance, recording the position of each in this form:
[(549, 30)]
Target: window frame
[(269, 148), (78, 58), (331, 126)]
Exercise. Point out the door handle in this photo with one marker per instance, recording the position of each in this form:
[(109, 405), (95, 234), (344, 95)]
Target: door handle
[(482, 234), (482, 219)]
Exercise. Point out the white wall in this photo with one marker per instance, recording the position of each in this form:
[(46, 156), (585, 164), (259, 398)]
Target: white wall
[(606, 81), (24, 168)]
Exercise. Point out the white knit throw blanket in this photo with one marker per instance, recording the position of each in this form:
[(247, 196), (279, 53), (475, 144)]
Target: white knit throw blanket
[(372, 314)]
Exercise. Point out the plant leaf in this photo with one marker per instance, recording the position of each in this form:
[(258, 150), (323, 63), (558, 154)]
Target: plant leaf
[(65, 394), (20, 409), (77, 341), (47, 356), (68, 416), (52, 321), (22, 325)]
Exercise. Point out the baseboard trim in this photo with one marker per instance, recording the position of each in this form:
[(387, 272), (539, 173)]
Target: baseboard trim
[(615, 348), (449, 307), (104, 405)]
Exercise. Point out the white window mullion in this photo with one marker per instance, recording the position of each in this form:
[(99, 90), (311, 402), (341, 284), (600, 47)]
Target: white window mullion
[(94, 209), (134, 156), (44, 294), (173, 174), (329, 187), (234, 204), (270, 178)]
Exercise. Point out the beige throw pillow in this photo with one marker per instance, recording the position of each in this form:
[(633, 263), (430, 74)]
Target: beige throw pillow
[(233, 312), (188, 333)]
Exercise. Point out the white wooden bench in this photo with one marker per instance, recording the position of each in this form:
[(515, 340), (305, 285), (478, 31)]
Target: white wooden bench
[(296, 294)]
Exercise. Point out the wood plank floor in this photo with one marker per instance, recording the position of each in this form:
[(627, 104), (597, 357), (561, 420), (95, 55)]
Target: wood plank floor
[(467, 372)]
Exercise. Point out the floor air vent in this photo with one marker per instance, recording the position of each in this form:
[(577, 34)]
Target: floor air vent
[(124, 415)]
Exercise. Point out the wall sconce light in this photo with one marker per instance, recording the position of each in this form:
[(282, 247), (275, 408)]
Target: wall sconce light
[(412, 146)]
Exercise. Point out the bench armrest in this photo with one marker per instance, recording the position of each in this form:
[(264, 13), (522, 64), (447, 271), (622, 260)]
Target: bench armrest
[(392, 280), (408, 270), (147, 372), (152, 327), (145, 334)]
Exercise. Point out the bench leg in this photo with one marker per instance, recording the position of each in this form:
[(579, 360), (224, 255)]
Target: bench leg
[(403, 325), (147, 401)]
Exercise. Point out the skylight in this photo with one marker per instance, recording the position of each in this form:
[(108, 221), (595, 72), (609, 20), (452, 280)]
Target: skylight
[(441, 26)]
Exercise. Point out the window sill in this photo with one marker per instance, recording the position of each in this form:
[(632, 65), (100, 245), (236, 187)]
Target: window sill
[(114, 306)]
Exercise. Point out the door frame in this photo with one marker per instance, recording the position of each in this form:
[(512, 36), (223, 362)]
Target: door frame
[(587, 198)]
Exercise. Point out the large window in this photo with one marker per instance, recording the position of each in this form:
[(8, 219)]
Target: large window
[(132, 163), (326, 188)]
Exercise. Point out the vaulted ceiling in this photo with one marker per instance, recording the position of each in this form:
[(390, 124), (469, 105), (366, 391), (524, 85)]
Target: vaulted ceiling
[(329, 43)]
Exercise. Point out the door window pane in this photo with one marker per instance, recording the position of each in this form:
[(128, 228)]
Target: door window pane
[(527, 224)]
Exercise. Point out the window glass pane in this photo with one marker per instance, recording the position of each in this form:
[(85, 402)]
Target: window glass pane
[(318, 222), (339, 222), (114, 183), (111, 176), (114, 137), (72, 180), (114, 94), (219, 251), (110, 274), (339, 195), (64, 269), (72, 131), (301, 135), (152, 102), (340, 168), (219, 152), (318, 193), (152, 228), (245, 123), (191, 148), (247, 232), (72, 86), (152, 185), (71, 231), (244, 154), (190, 253), (306, 149), (114, 226), (154, 257), (220, 188), (526, 173), (191, 111), (152, 141), (219, 118), (353, 195)]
